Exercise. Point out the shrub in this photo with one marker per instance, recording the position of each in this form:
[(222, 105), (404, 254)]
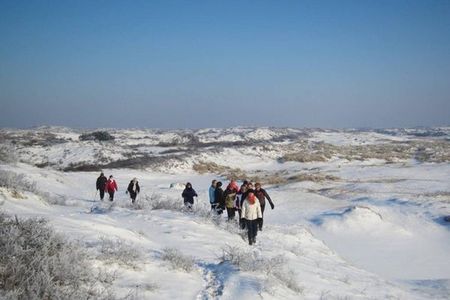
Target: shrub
[(37, 263), (16, 182), (96, 136), (157, 201), (274, 268), (7, 154), (178, 260), (115, 250)]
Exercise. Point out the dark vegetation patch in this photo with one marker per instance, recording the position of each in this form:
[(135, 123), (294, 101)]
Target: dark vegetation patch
[(140, 162), (96, 136)]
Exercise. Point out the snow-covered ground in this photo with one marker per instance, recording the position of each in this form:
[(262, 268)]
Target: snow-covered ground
[(372, 229)]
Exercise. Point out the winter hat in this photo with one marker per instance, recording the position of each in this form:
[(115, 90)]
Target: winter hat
[(233, 185), (110, 176), (188, 185), (251, 198), (219, 184)]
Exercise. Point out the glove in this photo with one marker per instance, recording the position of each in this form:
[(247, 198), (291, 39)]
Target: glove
[(272, 205)]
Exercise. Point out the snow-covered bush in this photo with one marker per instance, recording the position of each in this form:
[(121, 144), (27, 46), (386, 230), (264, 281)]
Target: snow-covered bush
[(178, 260), (7, 154), (115, 250), (158, 201), (16, 182), (274, 268), (247, 260), (37, 263)]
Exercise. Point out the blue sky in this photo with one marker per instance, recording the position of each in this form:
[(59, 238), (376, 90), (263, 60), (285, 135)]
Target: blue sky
[(193, 64)]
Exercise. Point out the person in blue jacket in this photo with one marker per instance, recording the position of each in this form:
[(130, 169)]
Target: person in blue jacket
[(188, 195), (212, 191)]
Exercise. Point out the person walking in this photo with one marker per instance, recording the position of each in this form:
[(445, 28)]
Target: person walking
[(251, 214), (212, 190), (262, 195), (133, 189), (101, 185), (111, 187), (230, 196), (219, 200), (188, 195), (238, 203), (249, 189)]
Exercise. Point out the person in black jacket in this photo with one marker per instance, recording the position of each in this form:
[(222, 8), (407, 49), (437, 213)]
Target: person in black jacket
[(249, 189), (101, 184), (133, 189), (262, 195), (188, 195), (219, 199)]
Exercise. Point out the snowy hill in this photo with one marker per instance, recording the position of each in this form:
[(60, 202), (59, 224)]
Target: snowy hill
[(359, 214)]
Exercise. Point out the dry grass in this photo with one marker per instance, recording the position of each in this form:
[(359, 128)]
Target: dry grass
[(203, 167), (424, 151), (275, 178), (314, 177)]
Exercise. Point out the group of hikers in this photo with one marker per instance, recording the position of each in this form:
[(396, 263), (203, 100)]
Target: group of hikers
[(110, 186), (248, 200)]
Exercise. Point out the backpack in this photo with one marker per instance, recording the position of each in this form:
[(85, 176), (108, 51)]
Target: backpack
[(229, 200)]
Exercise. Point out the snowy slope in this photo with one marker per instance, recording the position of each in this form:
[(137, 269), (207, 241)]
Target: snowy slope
[(376, 231)]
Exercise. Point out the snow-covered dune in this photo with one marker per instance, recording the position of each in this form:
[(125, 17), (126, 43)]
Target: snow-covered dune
[(358, 214)]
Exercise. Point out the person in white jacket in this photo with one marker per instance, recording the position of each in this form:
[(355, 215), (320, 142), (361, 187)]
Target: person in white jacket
[(251, 214)]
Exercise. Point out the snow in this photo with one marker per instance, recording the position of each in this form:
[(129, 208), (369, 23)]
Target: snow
[(372, 234)]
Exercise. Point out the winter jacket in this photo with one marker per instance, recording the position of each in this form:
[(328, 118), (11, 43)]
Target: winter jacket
[(132, 188), (229, 196), (101, 183), (251, 211), (188, 195), (262, 195), (111, 185), (218, 197), (211, 194)]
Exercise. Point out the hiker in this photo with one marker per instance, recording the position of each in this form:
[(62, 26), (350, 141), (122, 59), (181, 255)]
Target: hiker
[(101, 185), (238, 202), (133, 189), (111, 187), (219, 199), (188, 195), (233, 185), (249, 189), (262, 195), (230, 195), (212, 190), (251, 214)]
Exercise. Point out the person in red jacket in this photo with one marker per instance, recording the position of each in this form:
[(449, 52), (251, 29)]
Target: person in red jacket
[(111, 187)]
